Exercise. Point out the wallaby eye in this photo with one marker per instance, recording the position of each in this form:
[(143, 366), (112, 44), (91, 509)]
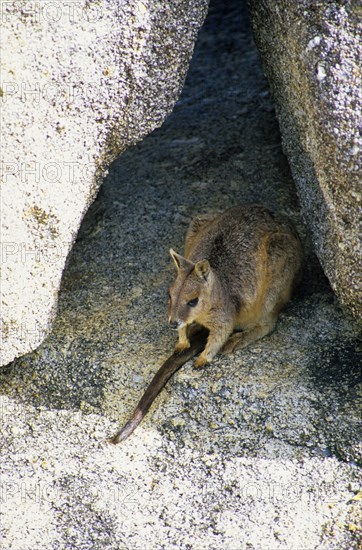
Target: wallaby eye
[(193, 303)]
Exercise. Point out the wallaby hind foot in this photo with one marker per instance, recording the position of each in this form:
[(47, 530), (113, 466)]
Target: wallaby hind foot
[(240, 340)]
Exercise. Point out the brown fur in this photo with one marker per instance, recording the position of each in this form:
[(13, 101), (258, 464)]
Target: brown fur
[(241, 266)]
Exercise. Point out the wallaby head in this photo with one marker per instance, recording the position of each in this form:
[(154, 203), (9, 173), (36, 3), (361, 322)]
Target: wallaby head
[(189, 295)]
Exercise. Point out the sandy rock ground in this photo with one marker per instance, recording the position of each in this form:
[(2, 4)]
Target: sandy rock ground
[(261, 449)]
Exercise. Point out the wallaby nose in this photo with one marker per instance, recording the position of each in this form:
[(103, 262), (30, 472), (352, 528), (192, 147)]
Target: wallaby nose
[(173, 324)]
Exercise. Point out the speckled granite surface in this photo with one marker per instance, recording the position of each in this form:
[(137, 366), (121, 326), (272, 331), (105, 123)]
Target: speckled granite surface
[(260, 449)]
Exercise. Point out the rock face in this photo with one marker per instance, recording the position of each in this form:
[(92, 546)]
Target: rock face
[(262, 448), (80, 83), (311, 53)]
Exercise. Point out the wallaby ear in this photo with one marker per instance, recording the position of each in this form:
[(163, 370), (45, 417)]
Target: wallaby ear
[(202, 269), (181, 263)]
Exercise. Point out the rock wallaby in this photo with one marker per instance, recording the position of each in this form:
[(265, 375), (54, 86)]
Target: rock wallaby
[(238, 270)]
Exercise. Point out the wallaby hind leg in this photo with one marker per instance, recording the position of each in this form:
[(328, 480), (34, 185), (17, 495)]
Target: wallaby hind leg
[(240, 340)]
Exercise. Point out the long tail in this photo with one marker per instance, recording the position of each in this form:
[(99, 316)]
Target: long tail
[(170, 366)]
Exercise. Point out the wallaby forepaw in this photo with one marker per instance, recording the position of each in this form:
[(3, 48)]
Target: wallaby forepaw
[(182, 346), (200, 362)]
